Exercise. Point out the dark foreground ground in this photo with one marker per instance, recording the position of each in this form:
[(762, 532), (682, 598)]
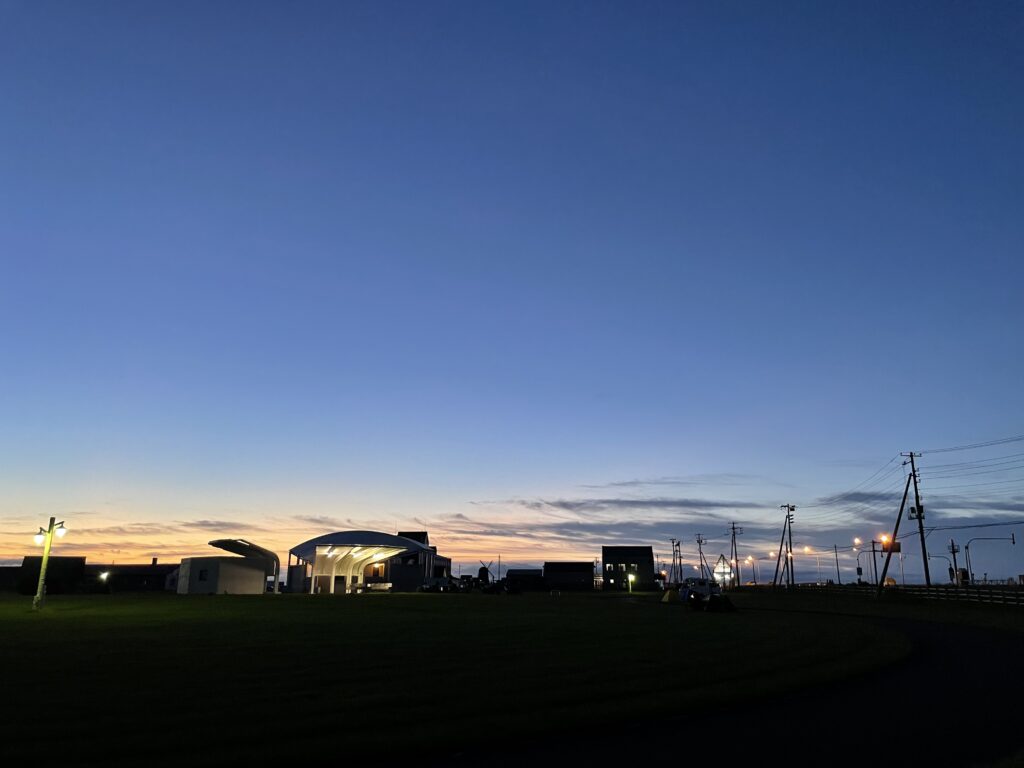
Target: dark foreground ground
[(506, 680)]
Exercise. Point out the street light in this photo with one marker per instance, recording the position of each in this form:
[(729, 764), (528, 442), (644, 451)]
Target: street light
[(631, 578), (859, 569), (45, 537), (817, 557), (952, 573), (967, 548)]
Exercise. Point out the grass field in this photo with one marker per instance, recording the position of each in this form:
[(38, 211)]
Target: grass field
[(162, 678)]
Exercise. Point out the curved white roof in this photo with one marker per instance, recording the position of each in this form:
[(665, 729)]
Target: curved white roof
[(307, 549)]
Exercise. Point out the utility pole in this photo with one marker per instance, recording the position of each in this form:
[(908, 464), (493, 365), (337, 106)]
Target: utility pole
[(735, 555), (894, 541), (918, 513), (874, 562), (782, 544), (790, 509), (701, 541), (839, 579), (675, 575)]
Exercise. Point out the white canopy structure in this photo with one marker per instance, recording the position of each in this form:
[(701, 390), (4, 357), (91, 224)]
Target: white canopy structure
[(347, 553)]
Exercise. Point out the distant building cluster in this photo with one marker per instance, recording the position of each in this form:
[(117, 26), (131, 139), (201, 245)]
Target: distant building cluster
[(344, 562)]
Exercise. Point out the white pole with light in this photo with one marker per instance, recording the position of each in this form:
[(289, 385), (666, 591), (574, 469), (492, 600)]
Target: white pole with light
[(631, 578), (45, 537)]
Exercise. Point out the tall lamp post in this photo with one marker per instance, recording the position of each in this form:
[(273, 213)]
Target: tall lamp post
[(45, 537), (859, 569), (952, 573), (967, 548), (753, 566)]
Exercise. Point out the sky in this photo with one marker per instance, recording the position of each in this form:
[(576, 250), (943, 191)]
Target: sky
[(534, 277)]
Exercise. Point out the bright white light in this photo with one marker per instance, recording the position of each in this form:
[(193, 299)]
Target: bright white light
[(60, 531), (631, 577), (105, 575), (39, 538)]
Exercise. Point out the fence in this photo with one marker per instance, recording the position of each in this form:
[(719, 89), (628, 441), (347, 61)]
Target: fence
[(974, 593)]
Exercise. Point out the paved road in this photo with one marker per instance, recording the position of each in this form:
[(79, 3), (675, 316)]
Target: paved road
[(956, 701)]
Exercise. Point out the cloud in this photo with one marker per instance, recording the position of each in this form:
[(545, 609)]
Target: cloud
[(1011, 505), (322, 521), (858, 497), (129, 529), (219, 525), (712, 478), (632, 504)]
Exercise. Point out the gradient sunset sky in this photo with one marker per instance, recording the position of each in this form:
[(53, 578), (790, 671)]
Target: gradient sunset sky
[(534, 277)]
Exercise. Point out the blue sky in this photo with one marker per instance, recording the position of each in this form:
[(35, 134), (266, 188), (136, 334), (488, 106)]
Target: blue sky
[(268, 268)]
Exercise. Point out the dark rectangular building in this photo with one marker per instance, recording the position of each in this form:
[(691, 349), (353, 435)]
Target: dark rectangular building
[(569, 576), (619, 563)]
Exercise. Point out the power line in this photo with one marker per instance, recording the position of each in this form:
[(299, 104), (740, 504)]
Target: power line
[(976, 462), (977, 485), (978, 525), (829, 501), (954, 473), (986, 444)]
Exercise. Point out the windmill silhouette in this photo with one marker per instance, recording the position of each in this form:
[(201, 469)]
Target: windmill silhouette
[(484, 573)]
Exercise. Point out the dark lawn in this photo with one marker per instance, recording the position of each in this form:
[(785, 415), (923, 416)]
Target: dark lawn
[(163, 678)]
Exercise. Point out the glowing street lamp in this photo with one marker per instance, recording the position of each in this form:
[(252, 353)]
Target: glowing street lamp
[(45, 538), (631, 578), (752, 562)]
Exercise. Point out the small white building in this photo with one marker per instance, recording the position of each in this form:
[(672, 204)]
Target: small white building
[(222, 575)]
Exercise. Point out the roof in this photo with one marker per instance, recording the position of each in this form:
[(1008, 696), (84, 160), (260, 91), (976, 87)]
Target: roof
[(132, 568), (627, 551), (307, 549), (567, 567), (243, 548), (420, 536)]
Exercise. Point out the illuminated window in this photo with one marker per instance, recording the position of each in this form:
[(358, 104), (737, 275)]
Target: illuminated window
[(632, 566), (608, 567)]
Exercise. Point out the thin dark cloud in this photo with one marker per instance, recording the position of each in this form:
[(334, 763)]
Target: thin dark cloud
[(632, 505), (322, 521), (591, 534), (218, 525), (858, 497), (1011, 505), (711, 478), (129, 529)]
